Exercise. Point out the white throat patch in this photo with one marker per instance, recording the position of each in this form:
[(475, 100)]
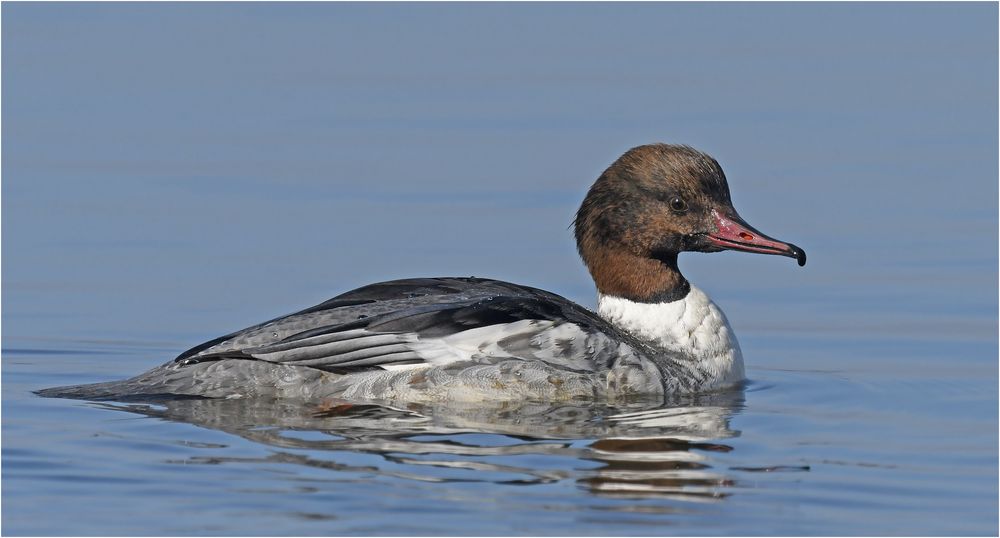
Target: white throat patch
[(693, 325)]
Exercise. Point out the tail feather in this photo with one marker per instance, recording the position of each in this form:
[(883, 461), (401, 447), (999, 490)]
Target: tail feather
[(122, 391), (225, 378)]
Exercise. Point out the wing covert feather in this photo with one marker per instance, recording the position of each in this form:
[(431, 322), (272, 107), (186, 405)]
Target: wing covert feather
[(432, 321)]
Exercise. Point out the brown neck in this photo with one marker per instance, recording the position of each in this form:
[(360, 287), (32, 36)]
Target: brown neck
[(637, 278)]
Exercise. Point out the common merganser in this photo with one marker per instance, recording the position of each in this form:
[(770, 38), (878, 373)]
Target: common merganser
[(469, 339)]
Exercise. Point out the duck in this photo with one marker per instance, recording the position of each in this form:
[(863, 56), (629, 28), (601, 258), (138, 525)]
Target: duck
[(468, 339)]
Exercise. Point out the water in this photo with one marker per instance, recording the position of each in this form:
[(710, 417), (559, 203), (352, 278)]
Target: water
[(172, 172)]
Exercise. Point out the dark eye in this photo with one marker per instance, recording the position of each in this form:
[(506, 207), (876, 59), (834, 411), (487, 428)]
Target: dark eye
[(678, 204)]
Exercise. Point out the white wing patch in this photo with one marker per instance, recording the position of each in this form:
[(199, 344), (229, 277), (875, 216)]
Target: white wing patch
[(560, 343), (556, 343)]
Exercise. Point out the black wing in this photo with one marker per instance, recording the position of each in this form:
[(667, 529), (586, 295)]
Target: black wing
[(385, 324)]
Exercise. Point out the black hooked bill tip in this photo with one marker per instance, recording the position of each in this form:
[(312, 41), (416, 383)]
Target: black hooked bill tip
[(798, 254)]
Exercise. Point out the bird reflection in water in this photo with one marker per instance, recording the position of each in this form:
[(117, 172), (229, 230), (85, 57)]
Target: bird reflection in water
[(642, 450)]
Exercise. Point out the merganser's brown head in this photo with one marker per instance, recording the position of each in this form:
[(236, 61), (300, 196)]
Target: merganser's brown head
[(653, 202)]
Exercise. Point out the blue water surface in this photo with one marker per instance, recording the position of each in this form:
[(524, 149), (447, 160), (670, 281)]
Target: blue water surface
[(175, 171)]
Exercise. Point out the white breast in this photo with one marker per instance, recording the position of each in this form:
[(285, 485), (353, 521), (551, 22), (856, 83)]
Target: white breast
[(693, 326)]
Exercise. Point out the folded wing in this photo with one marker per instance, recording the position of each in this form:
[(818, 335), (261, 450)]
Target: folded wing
[(431, 322)]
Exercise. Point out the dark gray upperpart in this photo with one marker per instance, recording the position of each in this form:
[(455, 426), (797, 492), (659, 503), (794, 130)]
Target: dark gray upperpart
[(341, 335), (349, 338)]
